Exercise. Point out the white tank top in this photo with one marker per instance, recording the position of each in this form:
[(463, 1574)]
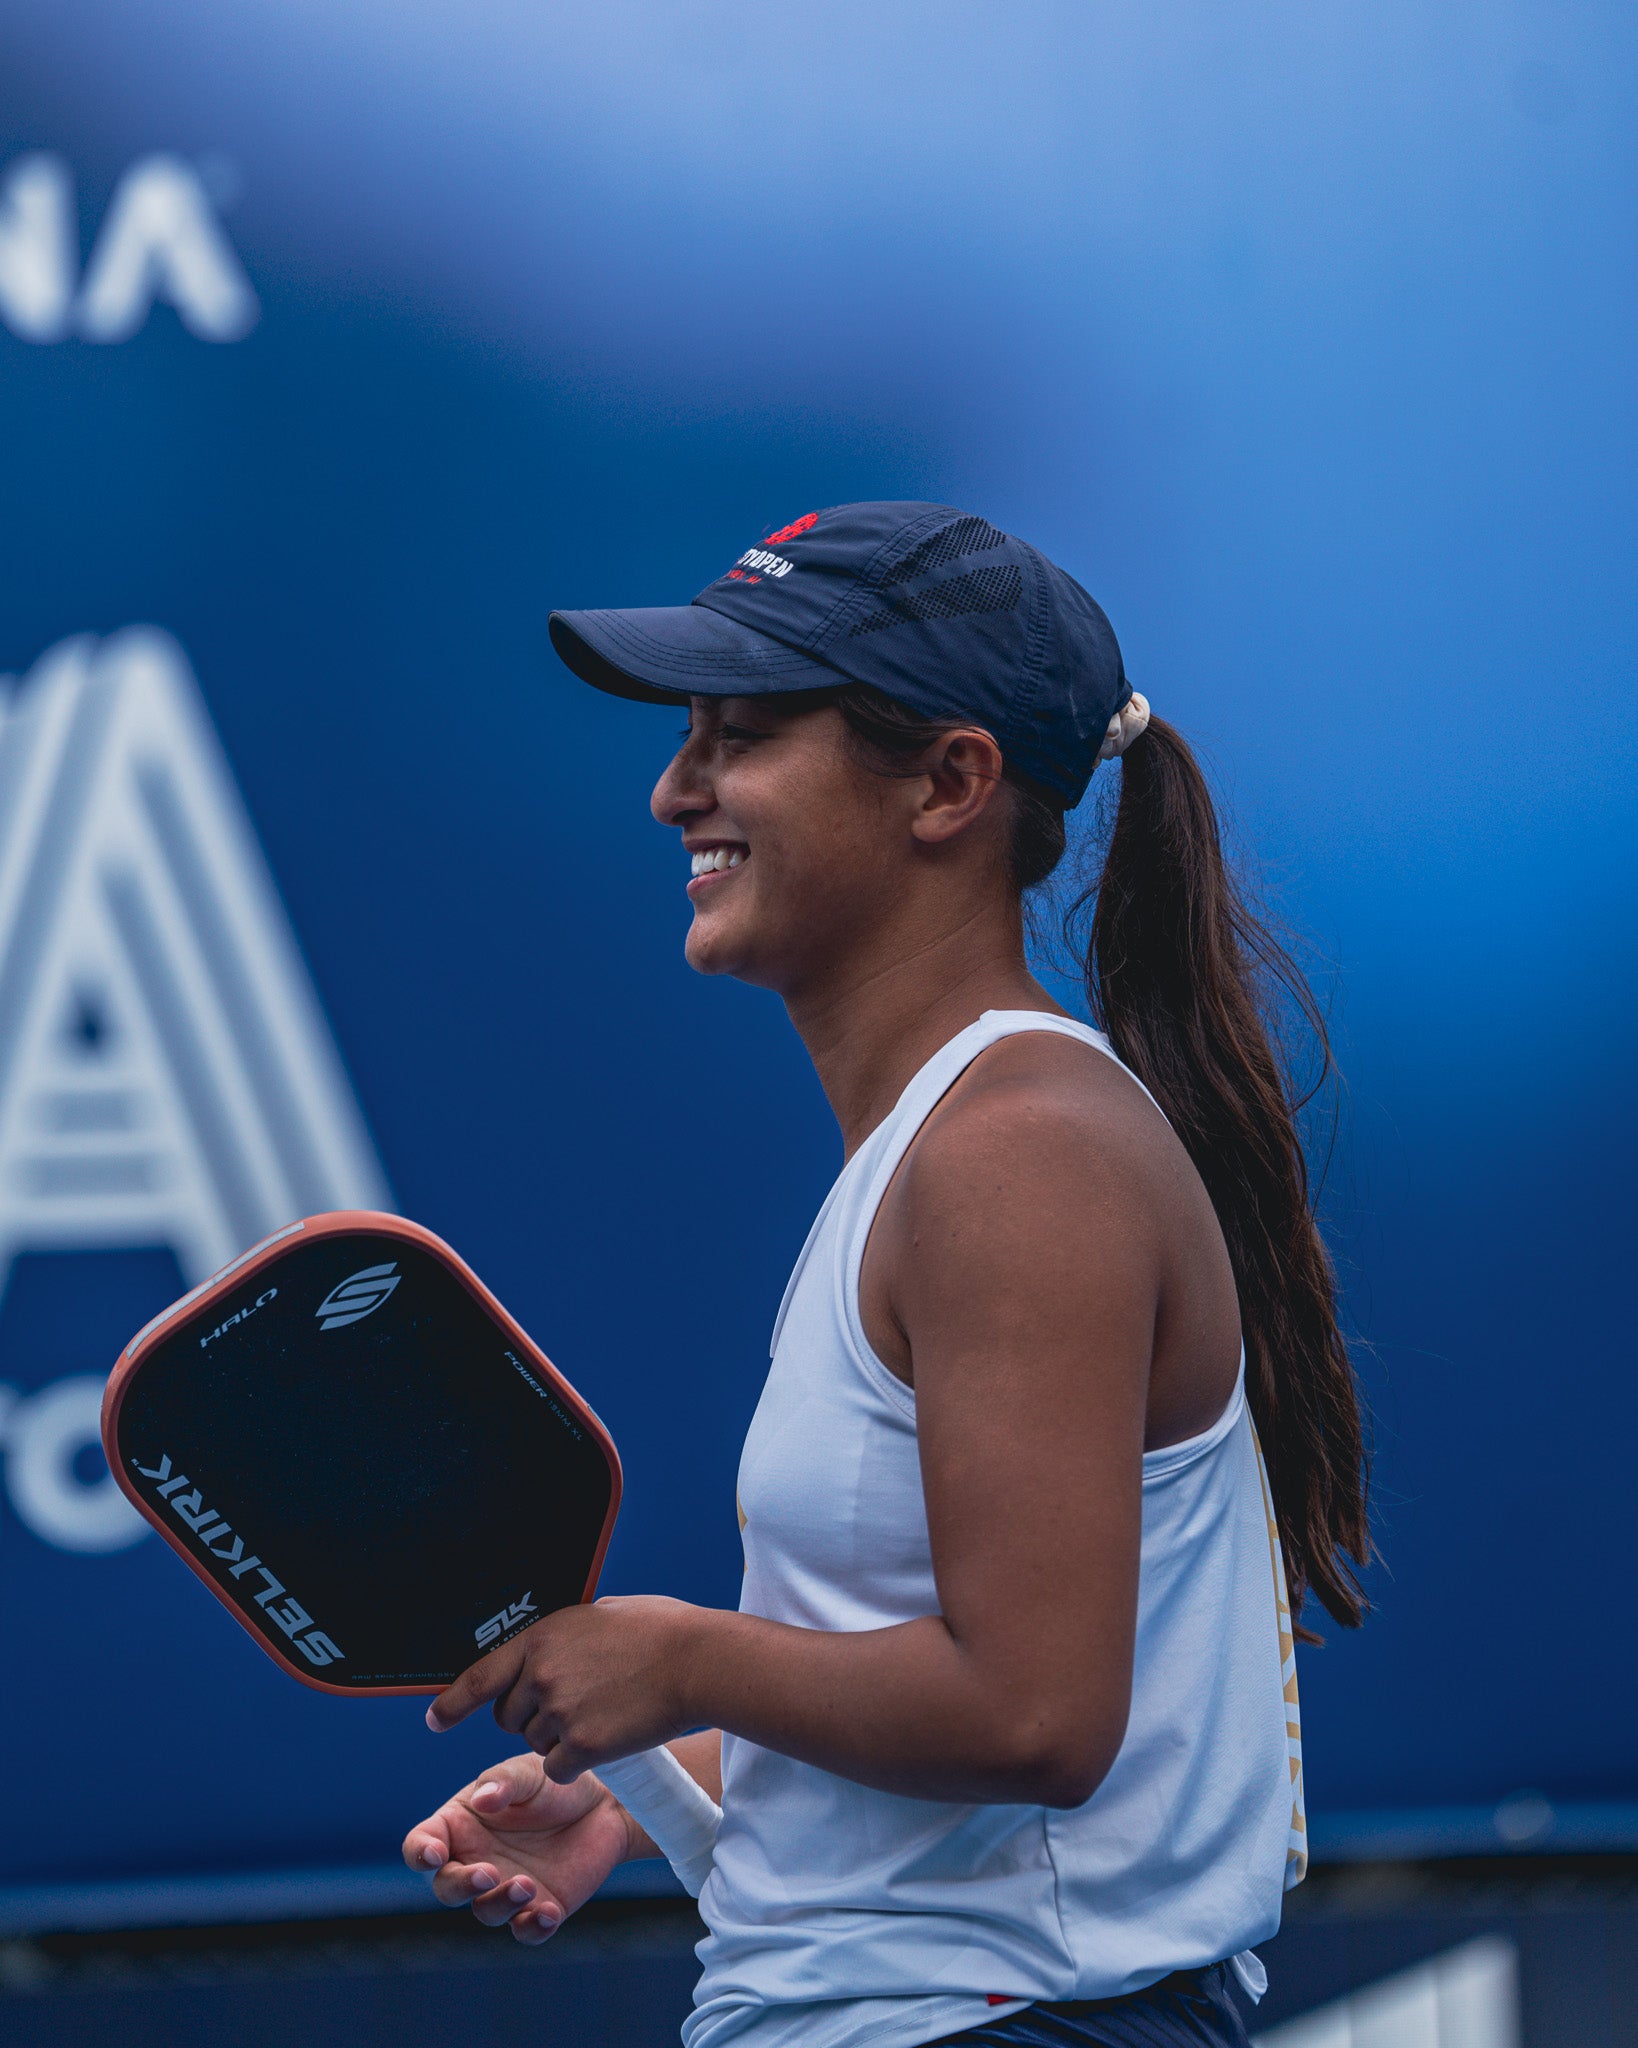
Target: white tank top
[(839, 1915)]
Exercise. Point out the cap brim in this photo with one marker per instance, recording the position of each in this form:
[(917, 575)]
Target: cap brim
[(665, 654)]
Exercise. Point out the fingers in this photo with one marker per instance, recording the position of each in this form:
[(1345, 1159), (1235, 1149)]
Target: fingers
[(533, 1914), (460, 1884), (532, 1928), (489, 1679), (494, 1908), (426, 1847)]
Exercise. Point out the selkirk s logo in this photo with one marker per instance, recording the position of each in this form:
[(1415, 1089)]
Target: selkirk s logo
[(498, 1625), (358, 1296)]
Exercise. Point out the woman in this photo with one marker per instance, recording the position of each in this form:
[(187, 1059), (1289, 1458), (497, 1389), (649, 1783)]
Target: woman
[(1005, 1727)]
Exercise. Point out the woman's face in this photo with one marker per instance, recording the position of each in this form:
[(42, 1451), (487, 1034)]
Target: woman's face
[(794, 844)]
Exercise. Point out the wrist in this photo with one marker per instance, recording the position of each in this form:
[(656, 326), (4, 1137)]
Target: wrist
[(689, 1662), (639, 1846)]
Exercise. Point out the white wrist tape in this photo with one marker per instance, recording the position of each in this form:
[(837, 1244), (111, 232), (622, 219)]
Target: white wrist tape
[(678, 1814)]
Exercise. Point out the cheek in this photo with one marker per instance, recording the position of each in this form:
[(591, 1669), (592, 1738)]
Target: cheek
[(817, 826), (813, 887), (815, 822), (793, 872)]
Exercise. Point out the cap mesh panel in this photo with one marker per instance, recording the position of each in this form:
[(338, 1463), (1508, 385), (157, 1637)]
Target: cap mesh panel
[(995, 589), (961, 537)]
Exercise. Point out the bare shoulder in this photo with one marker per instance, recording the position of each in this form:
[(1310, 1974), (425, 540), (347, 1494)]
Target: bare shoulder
[(1043, 1115), (1046, 1218), (1031, 1207)]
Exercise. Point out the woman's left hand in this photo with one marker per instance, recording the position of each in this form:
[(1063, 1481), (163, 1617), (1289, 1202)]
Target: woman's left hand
[(585, 1684)]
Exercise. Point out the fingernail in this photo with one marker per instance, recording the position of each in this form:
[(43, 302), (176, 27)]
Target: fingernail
[(432, 1856), (433, 1722), (520, 1891), (546, 1923), (489, 1785), (484, 1880)]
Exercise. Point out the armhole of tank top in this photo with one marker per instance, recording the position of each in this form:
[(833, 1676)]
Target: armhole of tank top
[(1173, 1458)]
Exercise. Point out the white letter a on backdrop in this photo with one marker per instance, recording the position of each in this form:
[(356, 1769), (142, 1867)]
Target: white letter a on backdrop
[(161, 239)]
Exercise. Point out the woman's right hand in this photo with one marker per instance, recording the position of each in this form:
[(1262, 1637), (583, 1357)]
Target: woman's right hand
[(515, 1847)]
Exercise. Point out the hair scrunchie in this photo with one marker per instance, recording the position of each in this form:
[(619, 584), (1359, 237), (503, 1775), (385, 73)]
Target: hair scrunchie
[(1126, 725)]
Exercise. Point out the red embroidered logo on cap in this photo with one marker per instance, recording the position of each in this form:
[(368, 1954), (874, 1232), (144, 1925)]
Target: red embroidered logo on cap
[(790, 532)]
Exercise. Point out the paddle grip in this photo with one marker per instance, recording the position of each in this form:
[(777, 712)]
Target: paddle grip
[(675, 1810)]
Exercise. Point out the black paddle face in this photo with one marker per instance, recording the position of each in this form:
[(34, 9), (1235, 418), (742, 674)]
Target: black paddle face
[(369, 1467)]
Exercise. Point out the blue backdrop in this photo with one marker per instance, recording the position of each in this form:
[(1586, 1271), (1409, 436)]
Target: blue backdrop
[(1303, 337)]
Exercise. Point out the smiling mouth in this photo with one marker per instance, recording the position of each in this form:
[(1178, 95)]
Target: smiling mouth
[(711, 861)]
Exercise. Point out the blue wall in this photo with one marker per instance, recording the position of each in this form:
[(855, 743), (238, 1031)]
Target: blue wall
[(1303, 337)]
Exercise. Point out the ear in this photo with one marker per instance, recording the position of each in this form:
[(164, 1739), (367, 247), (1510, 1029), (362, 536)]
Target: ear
[(963, 773)]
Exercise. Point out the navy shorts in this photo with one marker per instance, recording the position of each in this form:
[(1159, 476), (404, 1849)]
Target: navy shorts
[(1189, 2009)]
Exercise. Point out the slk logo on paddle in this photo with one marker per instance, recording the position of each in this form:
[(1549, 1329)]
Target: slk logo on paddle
[(497, 1625), (358, 1296)]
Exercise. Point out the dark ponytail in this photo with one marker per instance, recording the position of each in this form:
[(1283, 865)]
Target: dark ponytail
[(1184, 979), (1187, 983)]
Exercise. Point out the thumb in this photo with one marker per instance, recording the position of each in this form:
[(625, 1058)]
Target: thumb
[(512, 1783)]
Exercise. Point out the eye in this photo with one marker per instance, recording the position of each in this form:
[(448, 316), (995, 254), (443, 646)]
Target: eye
[(741, 732)]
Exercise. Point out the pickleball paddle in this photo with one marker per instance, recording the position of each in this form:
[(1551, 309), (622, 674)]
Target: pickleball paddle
[(374, 1468)]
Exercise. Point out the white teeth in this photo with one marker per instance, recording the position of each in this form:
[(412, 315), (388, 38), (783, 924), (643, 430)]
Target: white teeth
[(716, 860)]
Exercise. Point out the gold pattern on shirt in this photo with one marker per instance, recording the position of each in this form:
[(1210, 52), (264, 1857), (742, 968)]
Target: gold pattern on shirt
[(1296, 1847)]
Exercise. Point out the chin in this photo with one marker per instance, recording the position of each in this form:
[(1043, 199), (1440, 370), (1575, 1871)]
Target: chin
[(711, 950)]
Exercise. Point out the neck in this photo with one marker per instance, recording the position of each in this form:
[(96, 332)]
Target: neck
[(870, 1023)]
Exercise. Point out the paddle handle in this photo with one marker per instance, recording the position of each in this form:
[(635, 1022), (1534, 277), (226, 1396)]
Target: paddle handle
[(675, 1810)]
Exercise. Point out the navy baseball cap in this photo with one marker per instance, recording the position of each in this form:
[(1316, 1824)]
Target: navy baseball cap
[(933, 607)]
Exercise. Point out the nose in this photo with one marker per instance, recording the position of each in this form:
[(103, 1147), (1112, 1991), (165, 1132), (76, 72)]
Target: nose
[(684, 791)]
